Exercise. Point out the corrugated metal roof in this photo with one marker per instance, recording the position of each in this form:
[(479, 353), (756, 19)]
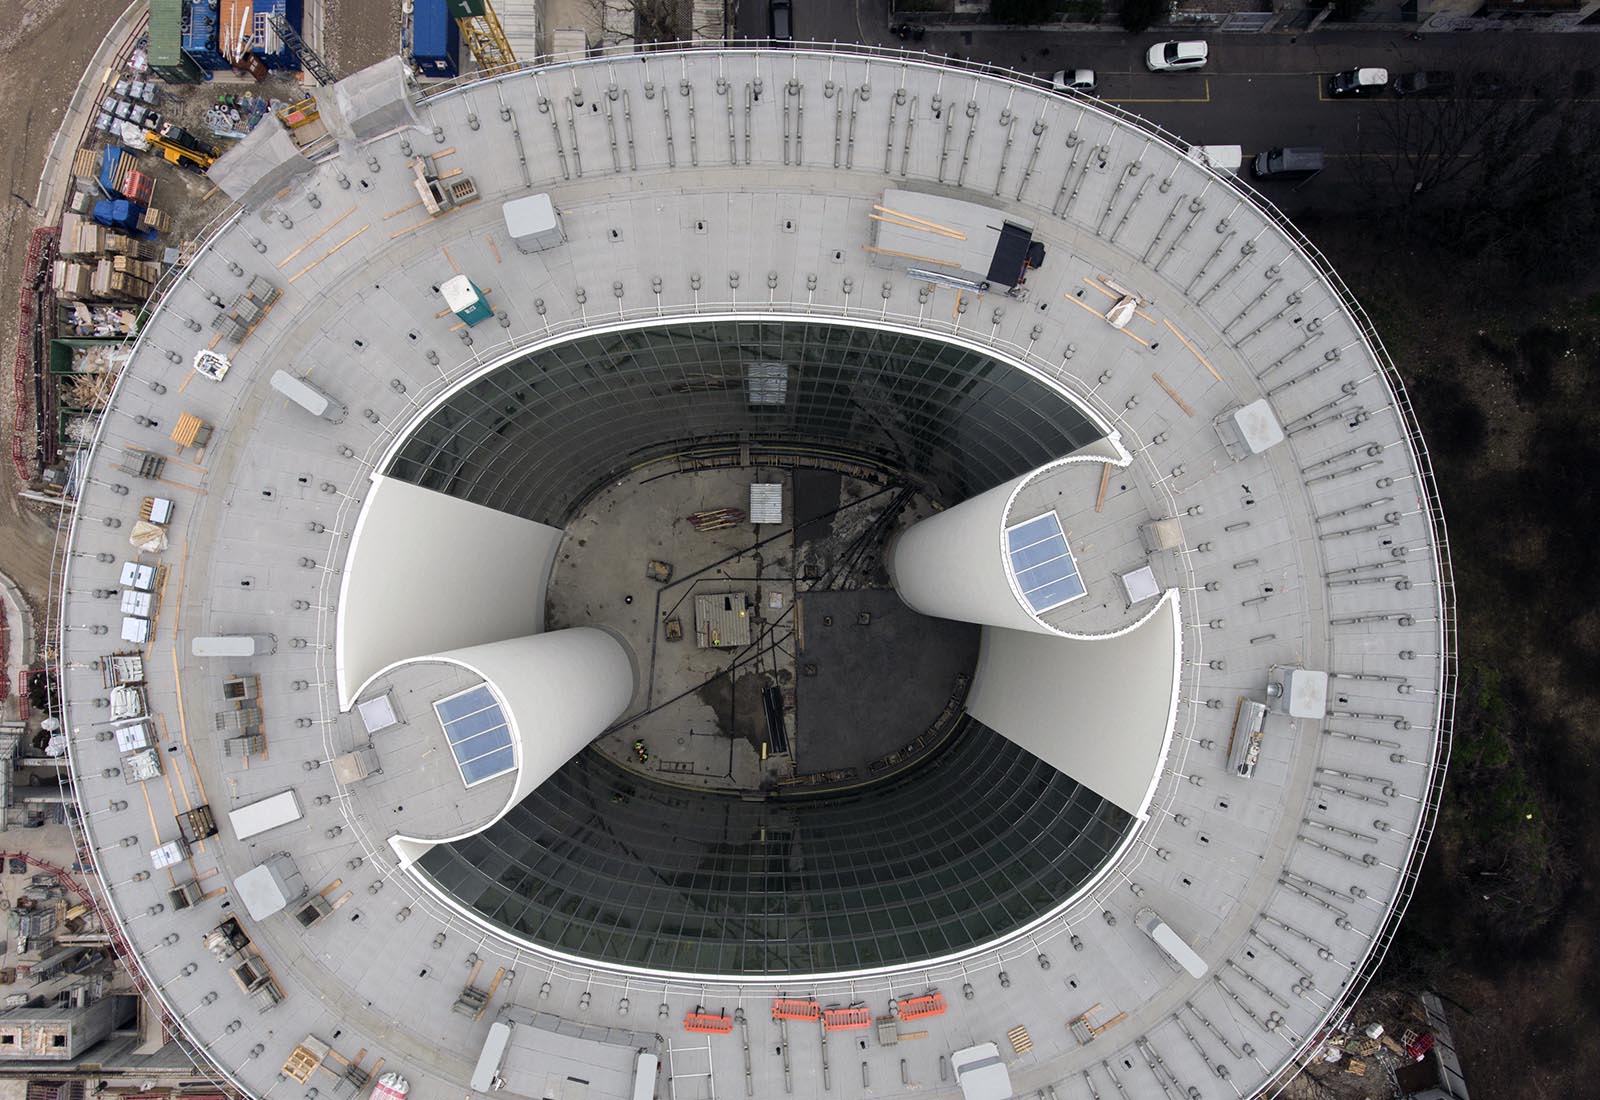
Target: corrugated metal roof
[(166, 26), (766, 502), (721, 621)]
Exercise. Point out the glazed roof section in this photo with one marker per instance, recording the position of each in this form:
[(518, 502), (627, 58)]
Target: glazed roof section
[(764, 210)]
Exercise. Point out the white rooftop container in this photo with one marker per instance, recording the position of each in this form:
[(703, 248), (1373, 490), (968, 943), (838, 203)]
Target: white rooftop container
[(255, 818), (1172, 943), (1249, 429), (309, 396), (982, 1074), (233, 645), (1300, 693), (494, 1049)]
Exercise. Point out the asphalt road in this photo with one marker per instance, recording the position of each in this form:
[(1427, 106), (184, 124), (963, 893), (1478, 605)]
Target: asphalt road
[(1258, 90)]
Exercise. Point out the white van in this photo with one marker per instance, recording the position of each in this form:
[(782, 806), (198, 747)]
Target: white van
[(1227, 159)]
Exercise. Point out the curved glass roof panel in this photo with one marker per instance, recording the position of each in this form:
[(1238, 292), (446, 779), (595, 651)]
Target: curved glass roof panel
[(605, 864), (537, 436)]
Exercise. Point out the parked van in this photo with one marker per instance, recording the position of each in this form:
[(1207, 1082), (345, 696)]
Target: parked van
[(782, 20), (1287, 164)]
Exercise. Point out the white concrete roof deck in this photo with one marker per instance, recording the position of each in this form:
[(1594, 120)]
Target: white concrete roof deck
[(1329, 559)]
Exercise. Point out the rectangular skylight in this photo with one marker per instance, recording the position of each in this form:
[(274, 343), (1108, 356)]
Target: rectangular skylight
[(478, 734), (767, 383), (1042, 563)]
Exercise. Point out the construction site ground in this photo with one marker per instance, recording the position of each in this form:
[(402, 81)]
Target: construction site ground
[(45, 48)]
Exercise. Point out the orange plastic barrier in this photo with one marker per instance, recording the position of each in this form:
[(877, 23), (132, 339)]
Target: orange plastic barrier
[(916, 1008), (784, 1008), (846, 1019), (708, 1024)]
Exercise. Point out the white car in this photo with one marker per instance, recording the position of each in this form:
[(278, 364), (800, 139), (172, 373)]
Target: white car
[(1076, 80), (1174, 57)]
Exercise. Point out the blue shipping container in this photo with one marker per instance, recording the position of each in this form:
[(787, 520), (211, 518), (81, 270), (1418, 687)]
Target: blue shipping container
[(199, 37), (435, 38)]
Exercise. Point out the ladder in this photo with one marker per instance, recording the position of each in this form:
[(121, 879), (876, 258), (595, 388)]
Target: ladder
[(310, 59)]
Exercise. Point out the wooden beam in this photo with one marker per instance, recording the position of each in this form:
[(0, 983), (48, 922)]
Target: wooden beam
[(1172, 393), (910, 256), (911, 221), (1193, 350), (316, 237), (325, 255)]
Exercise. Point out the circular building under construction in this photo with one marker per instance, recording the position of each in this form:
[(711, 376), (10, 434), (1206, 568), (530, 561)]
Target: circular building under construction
[(742, 572)]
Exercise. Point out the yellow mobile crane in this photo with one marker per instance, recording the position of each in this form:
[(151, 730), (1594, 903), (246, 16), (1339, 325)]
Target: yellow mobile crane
[(180, 147), (481, 29)]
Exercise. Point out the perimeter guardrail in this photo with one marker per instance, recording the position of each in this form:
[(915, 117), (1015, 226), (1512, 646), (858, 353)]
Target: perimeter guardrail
[(1429, 496)]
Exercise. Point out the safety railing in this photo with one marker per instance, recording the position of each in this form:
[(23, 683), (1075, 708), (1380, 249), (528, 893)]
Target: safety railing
[(1016, 944)]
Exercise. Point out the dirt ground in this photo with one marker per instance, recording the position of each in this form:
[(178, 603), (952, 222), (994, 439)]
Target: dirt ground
[(1505, 921), (44, 47), (360, 32)]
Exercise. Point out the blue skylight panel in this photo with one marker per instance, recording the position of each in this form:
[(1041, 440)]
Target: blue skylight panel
[(479, 736), (488, 767), (1042, 563)]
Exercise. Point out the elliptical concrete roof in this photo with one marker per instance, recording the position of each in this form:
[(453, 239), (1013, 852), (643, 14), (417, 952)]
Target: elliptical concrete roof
[(710, 183)]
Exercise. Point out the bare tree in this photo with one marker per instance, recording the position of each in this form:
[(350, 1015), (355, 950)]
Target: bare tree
[(1480, 134), (647, 22), (1504, 164)]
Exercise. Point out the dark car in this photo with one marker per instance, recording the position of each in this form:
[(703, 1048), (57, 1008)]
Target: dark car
[(782, 13), (1295, 163), (1358, 82), (1430, 82)]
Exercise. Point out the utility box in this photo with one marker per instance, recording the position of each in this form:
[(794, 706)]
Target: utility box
[(1298, 692), (533, 223), (309, 396), (1161, 534), (1249, 429), (356, 765), (465, 300)]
